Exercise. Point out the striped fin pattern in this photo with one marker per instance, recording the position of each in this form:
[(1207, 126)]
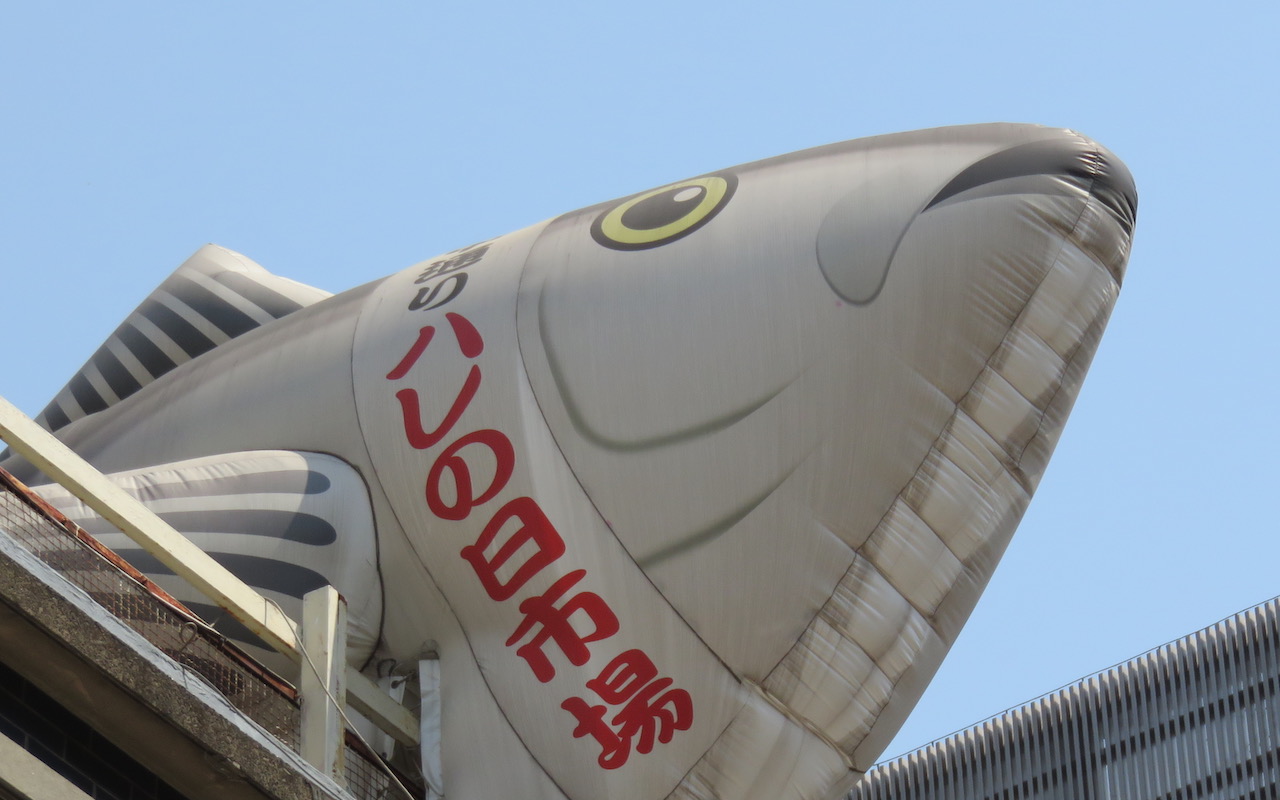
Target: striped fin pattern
[(215, 296), (284, 522)]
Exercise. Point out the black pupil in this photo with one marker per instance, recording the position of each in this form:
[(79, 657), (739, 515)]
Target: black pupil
[(663, 208)]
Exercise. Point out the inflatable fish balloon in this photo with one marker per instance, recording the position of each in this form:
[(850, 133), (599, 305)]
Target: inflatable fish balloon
[(689, 491)]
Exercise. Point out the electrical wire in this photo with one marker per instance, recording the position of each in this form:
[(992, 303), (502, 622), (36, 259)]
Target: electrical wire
[(341, 711)]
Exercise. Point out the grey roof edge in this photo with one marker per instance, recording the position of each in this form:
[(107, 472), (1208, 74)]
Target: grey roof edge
[(1200, 639)]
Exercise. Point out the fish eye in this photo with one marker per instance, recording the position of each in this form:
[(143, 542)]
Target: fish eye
[(663, 215)]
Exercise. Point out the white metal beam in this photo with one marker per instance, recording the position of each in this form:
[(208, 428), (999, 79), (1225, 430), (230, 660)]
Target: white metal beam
[(322, 684), (176, 552)]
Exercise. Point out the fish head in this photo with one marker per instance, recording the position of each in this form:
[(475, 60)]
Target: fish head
[(775, 424), (812, 395)]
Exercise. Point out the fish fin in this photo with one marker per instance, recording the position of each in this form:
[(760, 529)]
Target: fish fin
[(284, 522), (215, 296)]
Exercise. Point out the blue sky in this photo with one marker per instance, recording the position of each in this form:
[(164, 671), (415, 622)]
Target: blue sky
[(335, 146)]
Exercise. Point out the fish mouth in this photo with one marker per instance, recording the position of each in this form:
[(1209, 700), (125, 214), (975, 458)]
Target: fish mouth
[(855, 256), (1035, 167)]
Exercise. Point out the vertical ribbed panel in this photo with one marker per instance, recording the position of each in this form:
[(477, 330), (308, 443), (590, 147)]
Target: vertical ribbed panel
[(1196, 718)]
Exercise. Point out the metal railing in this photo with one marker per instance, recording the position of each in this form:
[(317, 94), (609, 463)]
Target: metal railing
[(309, 721)]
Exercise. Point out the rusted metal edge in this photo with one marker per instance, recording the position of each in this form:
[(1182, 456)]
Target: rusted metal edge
[(207, 632)]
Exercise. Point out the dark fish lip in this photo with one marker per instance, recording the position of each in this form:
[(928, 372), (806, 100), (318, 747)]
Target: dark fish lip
[(1076, 159), (855, 257)]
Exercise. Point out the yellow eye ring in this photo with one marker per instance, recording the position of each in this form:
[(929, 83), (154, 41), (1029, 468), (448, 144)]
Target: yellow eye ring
[(663, 215)]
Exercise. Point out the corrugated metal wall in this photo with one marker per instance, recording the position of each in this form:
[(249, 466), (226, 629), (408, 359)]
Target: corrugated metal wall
[(1196, 718)]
